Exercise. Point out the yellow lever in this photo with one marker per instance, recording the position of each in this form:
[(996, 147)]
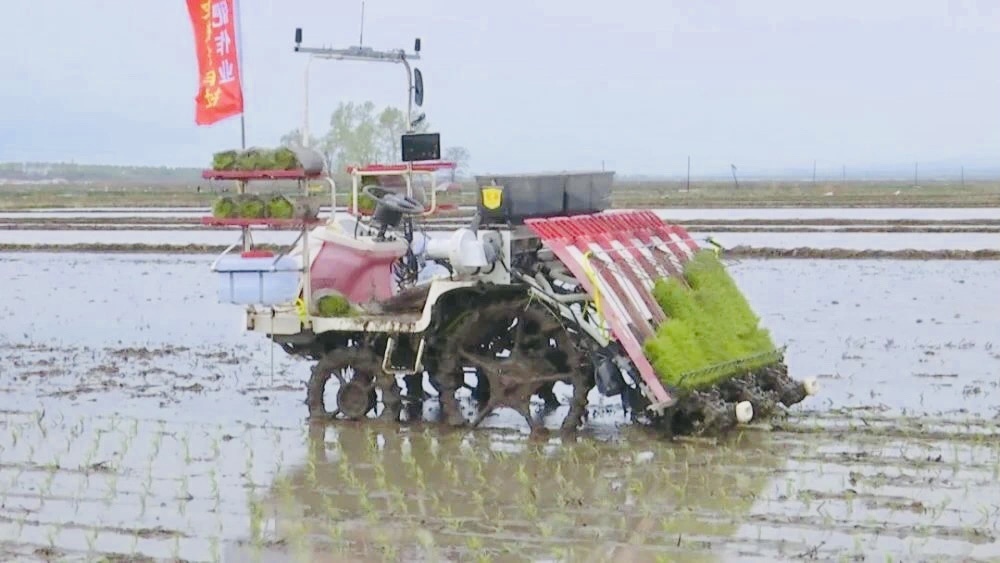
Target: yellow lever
[(592, 276)]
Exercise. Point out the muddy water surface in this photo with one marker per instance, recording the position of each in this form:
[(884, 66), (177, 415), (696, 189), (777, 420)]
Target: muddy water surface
[(178, 237), (138, 419), (855, 241), (887, 213), (913, 337), (676, 214), (789, 239)]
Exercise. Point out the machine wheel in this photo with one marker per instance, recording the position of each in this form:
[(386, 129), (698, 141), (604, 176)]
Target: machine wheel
[(445, 375), (358, 374), (538, 353), (355, 399)]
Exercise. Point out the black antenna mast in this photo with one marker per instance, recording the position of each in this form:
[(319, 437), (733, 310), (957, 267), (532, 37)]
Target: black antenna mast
[(361, 40)]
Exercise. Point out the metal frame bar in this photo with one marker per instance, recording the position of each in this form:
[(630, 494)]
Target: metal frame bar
[(390, 347), (618, 278), (246, 241), (774, 355), (368, 54), (357, 173)]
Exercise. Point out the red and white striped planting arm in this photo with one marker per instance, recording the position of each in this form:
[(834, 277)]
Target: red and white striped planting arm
[(623, 253)]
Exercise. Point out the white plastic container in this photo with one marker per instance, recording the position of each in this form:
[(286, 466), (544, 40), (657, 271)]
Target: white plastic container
[(257, 280)]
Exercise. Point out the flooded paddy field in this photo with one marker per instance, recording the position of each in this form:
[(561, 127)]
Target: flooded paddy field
[(682, 215), (176, 237), (851, 240), (99, 213), (138, 420), (776, 237), (678, 214)]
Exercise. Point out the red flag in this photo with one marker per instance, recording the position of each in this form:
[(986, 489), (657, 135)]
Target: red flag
[(219, 92)]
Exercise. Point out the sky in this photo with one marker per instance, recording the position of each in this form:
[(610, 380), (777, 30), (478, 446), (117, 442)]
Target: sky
[(528, 85)]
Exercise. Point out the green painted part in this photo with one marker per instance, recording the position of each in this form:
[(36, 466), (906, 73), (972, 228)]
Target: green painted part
[(711, 333)]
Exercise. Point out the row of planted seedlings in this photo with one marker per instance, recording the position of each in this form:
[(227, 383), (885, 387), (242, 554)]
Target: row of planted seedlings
[(486, 495), (169, 490)]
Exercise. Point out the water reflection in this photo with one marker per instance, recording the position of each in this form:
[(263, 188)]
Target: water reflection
[(377, 493)]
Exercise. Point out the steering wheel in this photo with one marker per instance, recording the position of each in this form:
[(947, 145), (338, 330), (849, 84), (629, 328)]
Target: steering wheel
[(394, 201)]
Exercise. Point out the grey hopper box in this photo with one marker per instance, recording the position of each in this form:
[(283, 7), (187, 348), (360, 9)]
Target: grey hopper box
[(545, 194)]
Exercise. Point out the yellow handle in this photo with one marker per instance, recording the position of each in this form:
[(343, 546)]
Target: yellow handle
[(715, 246), (587, 269), (300, 308)]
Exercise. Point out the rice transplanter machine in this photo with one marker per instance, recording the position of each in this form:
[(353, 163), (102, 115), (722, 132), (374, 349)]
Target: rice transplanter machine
[(540, 284)]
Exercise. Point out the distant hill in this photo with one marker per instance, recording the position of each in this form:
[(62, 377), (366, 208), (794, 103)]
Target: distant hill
[(63, 172), (940, 170)]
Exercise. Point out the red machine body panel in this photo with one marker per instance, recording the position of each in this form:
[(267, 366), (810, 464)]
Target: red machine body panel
[(359, 270)]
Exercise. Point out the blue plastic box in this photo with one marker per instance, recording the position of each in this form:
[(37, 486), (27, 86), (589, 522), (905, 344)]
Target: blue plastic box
[(257, 280)]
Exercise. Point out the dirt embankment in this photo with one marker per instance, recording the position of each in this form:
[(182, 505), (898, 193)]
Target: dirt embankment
[(855, 254), (95, 222), (860, 229), (831, 222), (734, 252), (175, 224)]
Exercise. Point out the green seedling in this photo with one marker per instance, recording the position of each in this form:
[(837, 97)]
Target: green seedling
[(157, 440), (385, 545), (20, 523), (330, 510), (112, 489), (213, 476), (38, 422), (148, 483), (248, 469), (91, 540), (367, 506), (256, 520), (709, 323), (474, 543)]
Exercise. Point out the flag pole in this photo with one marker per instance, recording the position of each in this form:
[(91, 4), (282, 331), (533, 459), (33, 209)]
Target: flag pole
[(239, 54)]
